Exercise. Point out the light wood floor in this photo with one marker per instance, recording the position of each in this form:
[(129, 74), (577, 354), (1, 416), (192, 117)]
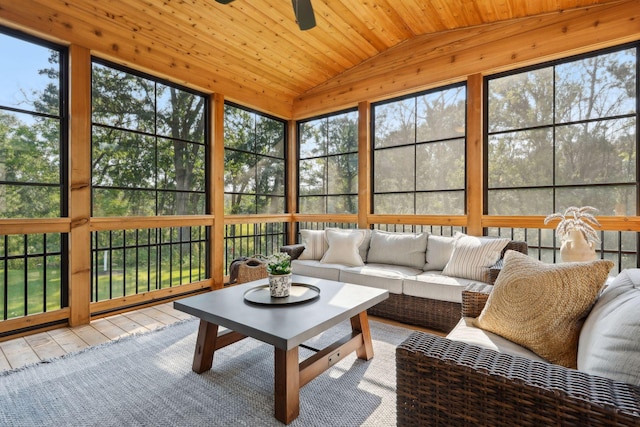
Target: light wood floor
[(27, 350)]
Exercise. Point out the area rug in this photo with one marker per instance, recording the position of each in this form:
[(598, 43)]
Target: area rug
[(146, 380)]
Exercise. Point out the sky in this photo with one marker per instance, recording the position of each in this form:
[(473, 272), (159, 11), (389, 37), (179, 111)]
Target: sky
[(19, 65)]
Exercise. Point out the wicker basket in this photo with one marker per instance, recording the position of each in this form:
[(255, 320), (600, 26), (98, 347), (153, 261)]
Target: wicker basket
[(252, 269)]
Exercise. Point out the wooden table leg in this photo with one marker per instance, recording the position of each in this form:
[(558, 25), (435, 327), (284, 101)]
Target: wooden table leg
[(287, 385), (360, 323), (205, 346)]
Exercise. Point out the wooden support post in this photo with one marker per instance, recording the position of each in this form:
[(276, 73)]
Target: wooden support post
[(216, 160), (80, 186), (475, 158), (364, 164), (292, 179)]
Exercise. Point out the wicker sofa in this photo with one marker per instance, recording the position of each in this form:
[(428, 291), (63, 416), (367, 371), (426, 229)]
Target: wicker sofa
[(440, 312), (441, 381)]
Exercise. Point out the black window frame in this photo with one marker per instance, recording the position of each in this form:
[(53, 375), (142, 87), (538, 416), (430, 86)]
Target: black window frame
[(28, 255), (417, 143), (284, 159), (206, 193), (554, 125), (326, 156)]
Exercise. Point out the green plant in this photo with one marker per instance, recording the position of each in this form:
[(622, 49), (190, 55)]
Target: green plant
[(279, 263), (576, 219)]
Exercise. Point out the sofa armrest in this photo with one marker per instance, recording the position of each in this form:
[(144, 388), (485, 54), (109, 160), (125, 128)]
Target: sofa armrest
[(294, 251), (494, 270), (474, 298), (444, 382), (514, 245)]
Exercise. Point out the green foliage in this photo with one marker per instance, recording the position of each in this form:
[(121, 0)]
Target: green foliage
[(278, 263), (328, 165), (254, 166), (148, 146), (561, 131), (419, 154)]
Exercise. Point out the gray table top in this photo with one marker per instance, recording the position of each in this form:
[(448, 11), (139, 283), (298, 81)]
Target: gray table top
[(284, 326)]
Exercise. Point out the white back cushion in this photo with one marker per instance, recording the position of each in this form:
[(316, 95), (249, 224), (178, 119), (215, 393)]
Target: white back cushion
[(406, 249)]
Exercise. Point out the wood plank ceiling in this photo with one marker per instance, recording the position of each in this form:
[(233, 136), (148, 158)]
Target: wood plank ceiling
[(255, 46)]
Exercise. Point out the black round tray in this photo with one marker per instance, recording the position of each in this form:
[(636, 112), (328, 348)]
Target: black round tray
[(299, 293)]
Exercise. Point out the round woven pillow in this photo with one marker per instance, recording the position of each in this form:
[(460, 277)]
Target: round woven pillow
[(542, 306)]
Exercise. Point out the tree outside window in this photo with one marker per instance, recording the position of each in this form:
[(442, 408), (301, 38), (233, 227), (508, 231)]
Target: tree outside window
[(419, 154), (564, 135), (254, 163), (148, 148)]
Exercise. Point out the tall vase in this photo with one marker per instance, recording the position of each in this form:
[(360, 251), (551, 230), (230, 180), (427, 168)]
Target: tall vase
[(576, 248), (279, 285)]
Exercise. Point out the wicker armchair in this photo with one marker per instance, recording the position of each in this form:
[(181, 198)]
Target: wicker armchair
[(444, 382)]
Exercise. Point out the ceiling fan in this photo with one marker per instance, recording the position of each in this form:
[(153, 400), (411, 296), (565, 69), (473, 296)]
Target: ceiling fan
[(301, 8)]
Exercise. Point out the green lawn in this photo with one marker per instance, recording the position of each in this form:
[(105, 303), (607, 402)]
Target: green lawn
[(35, 287)]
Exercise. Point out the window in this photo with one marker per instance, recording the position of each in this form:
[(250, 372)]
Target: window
[(149, 158), (33, 171), (564, 134), (149, 146), (254, 162), (419, 153), (32, 129), (328, 164)]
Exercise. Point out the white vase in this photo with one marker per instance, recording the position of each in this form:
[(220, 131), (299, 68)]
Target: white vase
[(575, 248), (279, 285)]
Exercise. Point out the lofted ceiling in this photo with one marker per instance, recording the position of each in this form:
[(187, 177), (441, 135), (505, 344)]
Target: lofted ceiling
[(256, 46)]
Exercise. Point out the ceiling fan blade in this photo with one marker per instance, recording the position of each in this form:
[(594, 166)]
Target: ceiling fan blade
[(304, 14), (224, 1)]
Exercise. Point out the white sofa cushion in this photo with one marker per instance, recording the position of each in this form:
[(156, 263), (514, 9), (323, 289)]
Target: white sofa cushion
[(404, 249), (609, 343), (465, 332), (434, 285), (343, 247), (472, 256), (383, 276), (439, 249), (315, 244), (314, 268)]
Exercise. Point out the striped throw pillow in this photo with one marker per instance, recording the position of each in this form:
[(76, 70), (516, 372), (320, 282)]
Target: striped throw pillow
[(315, 244), (472, 256)]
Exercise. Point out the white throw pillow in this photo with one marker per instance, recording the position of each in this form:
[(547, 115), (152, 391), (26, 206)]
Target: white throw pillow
[(439, 249), (472, 256), (405, 249), (343, 247), (315, 244), (609, 343), (363, 249)]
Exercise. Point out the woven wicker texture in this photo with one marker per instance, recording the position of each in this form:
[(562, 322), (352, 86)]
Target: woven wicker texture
[(542, 306), (446, 383), (474, 298), (252, 269), (425, 312)]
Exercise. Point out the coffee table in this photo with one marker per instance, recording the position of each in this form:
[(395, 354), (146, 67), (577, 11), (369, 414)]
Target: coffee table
[(286, 327)]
